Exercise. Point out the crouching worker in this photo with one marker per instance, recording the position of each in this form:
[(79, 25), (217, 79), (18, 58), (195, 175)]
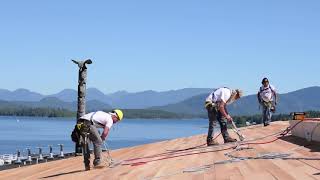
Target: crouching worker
[(216, 104), (89, 131)]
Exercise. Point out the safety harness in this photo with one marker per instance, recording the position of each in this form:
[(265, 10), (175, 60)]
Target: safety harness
[(81, 127), (270, 103), (214, 104)]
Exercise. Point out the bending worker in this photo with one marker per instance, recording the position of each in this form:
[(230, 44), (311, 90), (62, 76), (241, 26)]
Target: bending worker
[(91, 122), (267, 98), (216, 104)]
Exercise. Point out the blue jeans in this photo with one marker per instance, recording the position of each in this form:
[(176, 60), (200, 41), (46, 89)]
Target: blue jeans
[(266, 112)]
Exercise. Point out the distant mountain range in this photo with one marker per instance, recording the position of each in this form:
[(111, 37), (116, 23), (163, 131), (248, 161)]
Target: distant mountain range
[(20, 95), (184, 101), (67, 98), (52, 102), (300, 100)]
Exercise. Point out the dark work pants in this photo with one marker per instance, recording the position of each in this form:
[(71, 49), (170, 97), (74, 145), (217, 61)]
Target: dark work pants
[(215, 116)]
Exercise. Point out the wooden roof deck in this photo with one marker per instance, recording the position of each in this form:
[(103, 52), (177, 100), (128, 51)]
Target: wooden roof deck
[(196, 164)]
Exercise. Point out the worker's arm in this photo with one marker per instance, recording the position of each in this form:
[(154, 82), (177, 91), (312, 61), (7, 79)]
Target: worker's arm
[(105, 133), (259, 98), (223, 111), (275, 97)]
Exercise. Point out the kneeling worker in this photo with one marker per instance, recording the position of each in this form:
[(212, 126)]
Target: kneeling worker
[(91, 122), (216, 104)]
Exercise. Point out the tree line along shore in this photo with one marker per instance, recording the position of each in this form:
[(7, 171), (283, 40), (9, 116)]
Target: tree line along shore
[(141, 114)]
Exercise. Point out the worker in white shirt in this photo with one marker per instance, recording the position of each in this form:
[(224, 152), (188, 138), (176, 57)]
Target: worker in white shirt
[(216, 104), (267, 98), (91, 122)]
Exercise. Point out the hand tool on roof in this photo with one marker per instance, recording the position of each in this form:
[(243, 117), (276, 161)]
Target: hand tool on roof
[(235, 129)]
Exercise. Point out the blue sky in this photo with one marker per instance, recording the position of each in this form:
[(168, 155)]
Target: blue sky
[(160, 44)]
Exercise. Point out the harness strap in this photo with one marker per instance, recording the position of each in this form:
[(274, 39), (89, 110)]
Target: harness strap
[(215, 104), (91, 118), (272, 91), (220, 88), (269, 87), (95, 122)]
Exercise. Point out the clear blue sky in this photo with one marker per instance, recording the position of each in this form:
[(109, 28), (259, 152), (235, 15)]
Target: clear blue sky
[(160, 44)]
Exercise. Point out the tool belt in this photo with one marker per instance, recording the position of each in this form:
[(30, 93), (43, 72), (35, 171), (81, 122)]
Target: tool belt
[(269, 105), (81, 128), (84, 125)]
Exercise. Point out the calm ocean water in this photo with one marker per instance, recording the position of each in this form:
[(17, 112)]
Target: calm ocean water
[(32, 132)]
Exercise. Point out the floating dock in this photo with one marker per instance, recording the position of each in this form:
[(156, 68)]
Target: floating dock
[(270, 152)]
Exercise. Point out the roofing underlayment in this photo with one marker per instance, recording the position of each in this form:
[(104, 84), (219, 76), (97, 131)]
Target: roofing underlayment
[(267, 153)]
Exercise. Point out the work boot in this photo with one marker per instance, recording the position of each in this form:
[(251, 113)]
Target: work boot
[(97, 163), (266, 123), (211, 142), (87, 168), (229, 139)]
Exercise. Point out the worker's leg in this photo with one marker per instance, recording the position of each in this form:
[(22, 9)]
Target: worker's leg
[(224, 129), (223, 125), (86, 152), (85, 131), (264, 114), (269, 114), (212, 115), (97, 142)]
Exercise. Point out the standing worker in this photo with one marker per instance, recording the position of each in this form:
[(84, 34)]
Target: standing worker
[(216, 104), (267, 98), (88, 130)]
